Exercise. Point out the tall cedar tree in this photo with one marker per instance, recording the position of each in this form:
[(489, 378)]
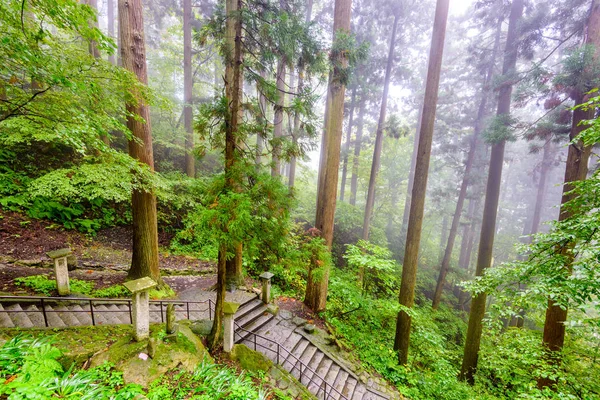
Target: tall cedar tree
[(110, 17), (379, 135), (144, 260), (233, 94), (576, 170), (415, 222), (188, 85), (296, 128), (278, 108), (462, 195), (347, 143), (316, 286), (490, 208), (411, 180), (357, 146)]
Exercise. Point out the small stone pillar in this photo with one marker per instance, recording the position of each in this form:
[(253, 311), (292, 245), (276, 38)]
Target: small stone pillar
[(61, 270), (265, 278), (229, 310), (171, 327), (141, 306)]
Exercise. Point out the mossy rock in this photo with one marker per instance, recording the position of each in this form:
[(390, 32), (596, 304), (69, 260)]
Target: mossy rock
[(249, 359), (184, 353)]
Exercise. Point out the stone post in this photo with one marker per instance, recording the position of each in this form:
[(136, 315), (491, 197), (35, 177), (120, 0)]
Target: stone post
[(61, 270), (265, 278), (141, 306), (229, 310), (171, 327)]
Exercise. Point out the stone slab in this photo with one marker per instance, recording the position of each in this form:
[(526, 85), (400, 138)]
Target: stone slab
[(59, 253), (266, 275), (138, 285)]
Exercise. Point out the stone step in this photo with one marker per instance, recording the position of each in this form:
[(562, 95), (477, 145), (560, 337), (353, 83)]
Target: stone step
[(291, 361), (5, 320), (254, 325), (321, 373), (67, 315), (340, 382), (348, 389), (81, 314), (248, 307), (331, 376), (359, 392), (313, 378), (54, 320), (18, 316), (35, 315)]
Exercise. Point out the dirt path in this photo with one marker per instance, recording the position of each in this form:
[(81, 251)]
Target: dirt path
[(103, 259)]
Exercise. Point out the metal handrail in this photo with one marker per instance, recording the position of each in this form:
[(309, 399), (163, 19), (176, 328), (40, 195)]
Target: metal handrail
[(302, 369), (42, 301)]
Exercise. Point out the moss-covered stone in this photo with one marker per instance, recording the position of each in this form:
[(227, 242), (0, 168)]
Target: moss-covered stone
[(249, 359)]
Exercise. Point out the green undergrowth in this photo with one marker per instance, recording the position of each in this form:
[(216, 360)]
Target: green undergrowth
[(42, 285), (34, 365)]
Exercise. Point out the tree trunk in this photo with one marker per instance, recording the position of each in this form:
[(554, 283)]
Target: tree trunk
[(93, 45), (262, 120), (479, 121), (467, 244), (295, 133), (144, 260), (316, 289), (214, 338), (229, 271), (93, 48), (188, 85), (348, 141), (379, 135), (443, 235), (490, 209), (541, 191), (296, 128), (278, 118), (110, 16), (233, 91), (411, 180), (415, 221), (357, 146), (576, 170)]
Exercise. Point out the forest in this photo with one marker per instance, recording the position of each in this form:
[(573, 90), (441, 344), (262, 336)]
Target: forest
[(422, 178)]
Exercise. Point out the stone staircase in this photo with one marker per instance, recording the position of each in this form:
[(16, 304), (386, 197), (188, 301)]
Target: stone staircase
[(27, 313), (321, 363), (298, 353)]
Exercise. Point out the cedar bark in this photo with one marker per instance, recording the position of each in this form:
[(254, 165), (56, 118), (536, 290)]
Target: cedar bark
[(93, 46), (411, 180), (379, 135), (144, 260), (110, 16), (490, 208), (262, 119), (278, 118), (295, 133), (188, 85), (233, 92), (296, 129), (357, 146), (467, 243), (229, 271), (347, 144), (462, 195), (316, 289), (576, 170), (541, 190), (415, 221)]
